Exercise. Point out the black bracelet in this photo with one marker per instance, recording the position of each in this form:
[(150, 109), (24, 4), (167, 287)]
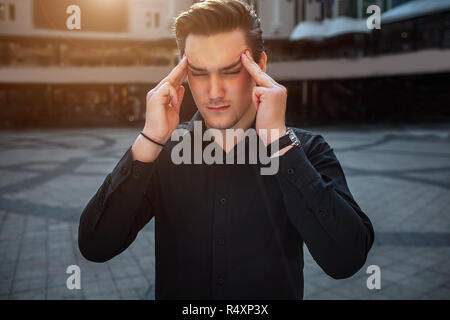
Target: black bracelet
[(145, 136)]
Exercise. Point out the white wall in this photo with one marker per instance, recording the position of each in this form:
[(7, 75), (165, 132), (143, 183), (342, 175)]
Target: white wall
[(142, 18), (23, 20), (313, 10), (137, 22), (277, 18)]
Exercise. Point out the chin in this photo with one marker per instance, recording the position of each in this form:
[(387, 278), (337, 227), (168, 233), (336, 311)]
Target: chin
[(220, 124)]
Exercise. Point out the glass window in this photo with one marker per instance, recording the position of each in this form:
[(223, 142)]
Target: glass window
[(157, 20), (12, 12), (148, 19), (2, 11)]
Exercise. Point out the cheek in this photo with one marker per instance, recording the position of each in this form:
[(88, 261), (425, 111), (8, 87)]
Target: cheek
[(198, 89), (240, 87)]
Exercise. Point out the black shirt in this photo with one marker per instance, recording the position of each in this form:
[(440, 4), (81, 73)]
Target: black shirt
[(226, 231)]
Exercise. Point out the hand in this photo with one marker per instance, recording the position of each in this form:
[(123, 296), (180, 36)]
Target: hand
[(163, 104), (269, 98)]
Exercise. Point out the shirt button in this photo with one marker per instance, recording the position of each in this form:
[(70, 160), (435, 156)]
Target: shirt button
[(290, 171), (220, 281), (323, 213), (136, 172), (124, 170), (223, 200), (221, 242)]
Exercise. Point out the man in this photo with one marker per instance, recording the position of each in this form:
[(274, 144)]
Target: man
[(226, 231)]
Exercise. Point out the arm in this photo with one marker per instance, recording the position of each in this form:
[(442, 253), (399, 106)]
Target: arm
[(124, 203), (320, 206), (120, 208)]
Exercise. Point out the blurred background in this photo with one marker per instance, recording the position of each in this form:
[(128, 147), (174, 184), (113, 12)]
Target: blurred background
[(72, 102), (336, 69)]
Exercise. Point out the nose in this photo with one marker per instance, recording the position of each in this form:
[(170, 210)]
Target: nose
[(216, 88)]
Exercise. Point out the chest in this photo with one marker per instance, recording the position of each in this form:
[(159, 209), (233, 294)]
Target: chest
[(197, 198)]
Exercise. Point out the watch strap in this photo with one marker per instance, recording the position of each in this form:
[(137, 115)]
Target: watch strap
[(288, 139)]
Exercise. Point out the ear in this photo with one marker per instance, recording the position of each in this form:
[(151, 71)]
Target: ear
[(263, 62)]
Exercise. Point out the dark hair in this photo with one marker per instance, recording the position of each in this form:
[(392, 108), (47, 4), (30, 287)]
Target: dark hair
[(214, 16)]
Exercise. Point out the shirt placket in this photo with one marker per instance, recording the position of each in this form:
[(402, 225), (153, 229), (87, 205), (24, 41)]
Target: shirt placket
[(219, 236)]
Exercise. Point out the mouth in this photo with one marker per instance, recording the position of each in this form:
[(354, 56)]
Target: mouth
[(221, 108)]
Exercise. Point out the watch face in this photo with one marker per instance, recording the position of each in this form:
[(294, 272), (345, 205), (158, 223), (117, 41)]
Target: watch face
[(293, 137)]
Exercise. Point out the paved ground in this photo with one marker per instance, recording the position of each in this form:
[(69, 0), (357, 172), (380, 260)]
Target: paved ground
[(400, 176)]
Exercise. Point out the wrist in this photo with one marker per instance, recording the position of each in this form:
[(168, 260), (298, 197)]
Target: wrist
[(158, 138), (284, 143), (268, 136), (145, 150)]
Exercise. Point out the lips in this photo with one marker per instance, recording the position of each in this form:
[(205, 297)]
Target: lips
[(221, 108)]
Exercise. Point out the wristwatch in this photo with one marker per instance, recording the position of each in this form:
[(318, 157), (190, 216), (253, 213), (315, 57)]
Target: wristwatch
[(289, 139)]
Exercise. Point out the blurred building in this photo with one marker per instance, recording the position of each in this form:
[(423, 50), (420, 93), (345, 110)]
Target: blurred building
[(102, 71), (334, 67)]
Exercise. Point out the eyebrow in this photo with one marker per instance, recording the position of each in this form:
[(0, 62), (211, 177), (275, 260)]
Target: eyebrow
[(231, 66)]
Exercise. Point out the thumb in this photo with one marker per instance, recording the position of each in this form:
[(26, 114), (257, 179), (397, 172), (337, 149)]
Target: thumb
[(180, 94), (256, 96)]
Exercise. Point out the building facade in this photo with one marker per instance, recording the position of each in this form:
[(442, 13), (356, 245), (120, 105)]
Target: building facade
[(102, 70)]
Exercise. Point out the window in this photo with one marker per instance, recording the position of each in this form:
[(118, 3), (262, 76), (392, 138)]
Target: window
[(12, 12), (148, 19), (2, 11), (152, 19), (157, 20)]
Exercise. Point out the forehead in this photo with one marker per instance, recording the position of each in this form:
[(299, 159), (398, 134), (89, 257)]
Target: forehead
[(215, 51)]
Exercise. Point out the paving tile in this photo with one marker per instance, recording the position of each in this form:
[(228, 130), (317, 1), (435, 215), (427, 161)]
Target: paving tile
[(32, 284), (38, 240), (439, 293), (28, 295)]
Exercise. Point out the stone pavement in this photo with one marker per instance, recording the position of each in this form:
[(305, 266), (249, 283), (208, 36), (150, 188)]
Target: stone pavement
[(400, 177)]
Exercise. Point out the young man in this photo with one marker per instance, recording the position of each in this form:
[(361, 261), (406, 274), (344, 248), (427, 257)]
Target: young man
[(226, 231)]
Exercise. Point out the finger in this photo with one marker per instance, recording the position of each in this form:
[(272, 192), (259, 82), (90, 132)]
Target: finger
[(167, 94), (178, 74), (183, 76), (180, 95), (257, 96), (255, 99), (261, 78)]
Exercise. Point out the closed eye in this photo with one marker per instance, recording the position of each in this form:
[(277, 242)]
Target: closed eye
[(226, 73), (234, 72)]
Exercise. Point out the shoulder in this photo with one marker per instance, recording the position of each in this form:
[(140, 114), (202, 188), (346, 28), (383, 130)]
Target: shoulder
[(185, 125)]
